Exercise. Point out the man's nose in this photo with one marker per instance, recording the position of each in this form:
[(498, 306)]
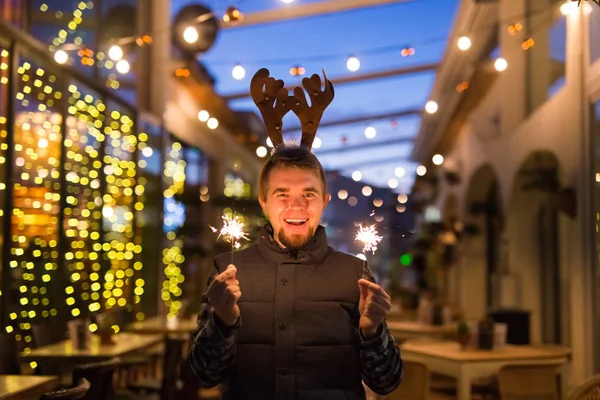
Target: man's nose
[(298, 202)]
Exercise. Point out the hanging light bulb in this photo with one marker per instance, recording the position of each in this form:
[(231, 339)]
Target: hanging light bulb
[(233, 15), (261, 151), (356, 176), (203, 116), (500, 64), (431, 107), (61, 56), (238, 72), (297, 70), (115, 53), (464, 43), (370, 132), (212, 123), (353, 64), (123, 66), (316, 143), (191, 35)]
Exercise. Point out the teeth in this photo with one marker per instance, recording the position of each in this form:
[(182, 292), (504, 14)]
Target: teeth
[(295, 220)]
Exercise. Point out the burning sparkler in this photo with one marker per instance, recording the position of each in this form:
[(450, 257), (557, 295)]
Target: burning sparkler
[(369, 237), (232, 231)]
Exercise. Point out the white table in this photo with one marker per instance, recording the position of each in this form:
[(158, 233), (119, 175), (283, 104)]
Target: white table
[(448, 359)]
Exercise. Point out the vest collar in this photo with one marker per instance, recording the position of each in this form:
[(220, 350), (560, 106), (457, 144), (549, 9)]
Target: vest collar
[(314, 251)]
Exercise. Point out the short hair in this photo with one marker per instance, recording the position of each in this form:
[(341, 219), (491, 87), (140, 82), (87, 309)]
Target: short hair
[(291, 156)]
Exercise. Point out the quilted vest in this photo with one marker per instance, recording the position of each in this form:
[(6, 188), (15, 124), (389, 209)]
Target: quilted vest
[(299, 334)]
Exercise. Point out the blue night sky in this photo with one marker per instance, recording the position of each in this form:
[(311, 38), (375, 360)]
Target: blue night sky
[(375, 36)]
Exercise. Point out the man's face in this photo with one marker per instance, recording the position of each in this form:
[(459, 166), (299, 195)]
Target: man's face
[(294, 203)]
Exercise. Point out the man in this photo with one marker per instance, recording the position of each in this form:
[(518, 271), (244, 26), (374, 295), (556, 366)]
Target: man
[(310, 324)]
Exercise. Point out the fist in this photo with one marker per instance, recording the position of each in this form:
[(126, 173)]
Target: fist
[(223, 295), (373, 306)]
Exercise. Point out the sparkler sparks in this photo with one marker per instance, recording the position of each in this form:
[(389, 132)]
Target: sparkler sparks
[(232, 231), (369, 237)]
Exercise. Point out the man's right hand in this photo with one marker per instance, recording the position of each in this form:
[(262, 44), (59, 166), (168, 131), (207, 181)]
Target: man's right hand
[(223, 295)]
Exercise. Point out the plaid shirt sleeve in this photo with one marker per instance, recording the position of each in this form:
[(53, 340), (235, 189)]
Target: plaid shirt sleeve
[(212, 350), (380, 356)]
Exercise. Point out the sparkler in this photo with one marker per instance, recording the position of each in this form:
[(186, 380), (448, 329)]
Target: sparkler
[(369, 237), (232, 232)]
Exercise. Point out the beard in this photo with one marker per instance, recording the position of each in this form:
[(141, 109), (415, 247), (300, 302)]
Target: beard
[(296, 242)]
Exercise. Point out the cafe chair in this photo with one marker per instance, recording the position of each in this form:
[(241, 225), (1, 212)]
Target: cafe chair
[(588, 390), (99, 375), (415, 383), (525, 382), (76, 393)]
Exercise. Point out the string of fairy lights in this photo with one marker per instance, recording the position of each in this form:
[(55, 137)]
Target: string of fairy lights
[(100, 144), (173, 258)]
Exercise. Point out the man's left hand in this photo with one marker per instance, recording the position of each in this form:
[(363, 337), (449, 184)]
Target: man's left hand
[(373, 307)]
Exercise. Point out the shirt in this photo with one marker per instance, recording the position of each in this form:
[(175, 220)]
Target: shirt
[(213, 350)]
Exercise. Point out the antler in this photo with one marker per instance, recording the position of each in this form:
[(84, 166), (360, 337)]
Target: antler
[(310, 116), (271, 98)]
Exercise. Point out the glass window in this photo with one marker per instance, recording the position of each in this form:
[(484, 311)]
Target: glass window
[(148, 216), (596, 278), (4, 77), (83, 206), (174, 219), (558, 55), (37, 285), (120, 202)]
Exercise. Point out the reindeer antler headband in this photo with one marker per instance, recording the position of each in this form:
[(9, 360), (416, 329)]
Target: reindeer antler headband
[(273, 101)]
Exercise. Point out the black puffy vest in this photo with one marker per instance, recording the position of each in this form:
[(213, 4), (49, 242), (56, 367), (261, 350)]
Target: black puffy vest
[(299, 334)]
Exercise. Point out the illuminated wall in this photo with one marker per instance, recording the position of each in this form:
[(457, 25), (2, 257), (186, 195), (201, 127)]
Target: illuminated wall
[(76, 164)]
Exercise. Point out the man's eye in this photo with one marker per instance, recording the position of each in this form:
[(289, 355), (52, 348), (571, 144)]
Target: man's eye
[(310, 195)]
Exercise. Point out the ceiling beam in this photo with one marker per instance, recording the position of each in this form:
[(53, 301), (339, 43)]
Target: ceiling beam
[(354, 78), (345, 148), (365, 163), (354, 120), (286, 13)]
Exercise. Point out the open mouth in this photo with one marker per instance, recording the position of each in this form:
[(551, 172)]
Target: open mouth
[(296, 221)]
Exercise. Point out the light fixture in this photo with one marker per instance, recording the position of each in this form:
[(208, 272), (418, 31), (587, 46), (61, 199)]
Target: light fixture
[(191, 35), (212, 123), (356, 176), (464, 43), (431, 107), (399, 172), (367, 191), (437, 159), (393, 183), (261, 151), (123, 66), (500, 64), (317, 143), (115, 53), (61, 56), (238, 72), (421, 170), (342, 194), (402, 198), (568, 7), (353, 64), (370, 132), (203, 116)]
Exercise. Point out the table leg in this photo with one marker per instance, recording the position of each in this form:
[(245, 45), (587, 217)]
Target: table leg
[(463, 384), (565, 374)]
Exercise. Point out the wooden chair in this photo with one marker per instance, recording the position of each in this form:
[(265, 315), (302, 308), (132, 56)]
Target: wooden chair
[(76, 393), (588, 390), (415, 383), (99, 375), (528, 382)]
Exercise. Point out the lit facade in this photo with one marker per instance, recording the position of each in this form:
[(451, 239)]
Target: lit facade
[(103, 205), (523, 142)]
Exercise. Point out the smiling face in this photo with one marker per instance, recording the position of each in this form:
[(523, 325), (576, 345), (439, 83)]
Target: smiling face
[(293, 201)]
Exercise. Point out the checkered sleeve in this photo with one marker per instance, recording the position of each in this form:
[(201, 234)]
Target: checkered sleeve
[(380, 356), (212, 350)]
